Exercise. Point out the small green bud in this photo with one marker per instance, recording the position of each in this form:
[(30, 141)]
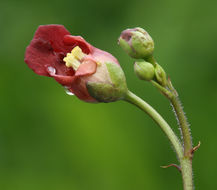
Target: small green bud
[(137, 43), (160, 75), (144, 70)]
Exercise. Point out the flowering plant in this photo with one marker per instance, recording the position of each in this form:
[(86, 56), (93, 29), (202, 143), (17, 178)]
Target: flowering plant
[(94, 75)]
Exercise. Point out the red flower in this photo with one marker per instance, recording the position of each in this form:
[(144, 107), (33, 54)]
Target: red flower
[(49, 54)]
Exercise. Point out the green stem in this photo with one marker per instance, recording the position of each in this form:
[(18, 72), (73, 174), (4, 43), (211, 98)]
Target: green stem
[(181, 119), (185, 162), (187, 174), (133, 99), (183, 124), (172, 95), (162, 89)]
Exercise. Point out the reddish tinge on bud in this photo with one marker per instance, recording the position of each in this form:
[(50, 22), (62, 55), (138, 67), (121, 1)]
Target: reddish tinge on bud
[(137, 43), (91, 74)]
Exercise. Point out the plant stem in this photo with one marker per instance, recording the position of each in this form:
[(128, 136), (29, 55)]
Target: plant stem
[(187, 174), (183, 124), (185, 162), (172, 95), (133, 99)]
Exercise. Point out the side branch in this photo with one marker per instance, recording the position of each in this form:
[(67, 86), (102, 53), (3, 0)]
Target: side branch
[(135, 100)]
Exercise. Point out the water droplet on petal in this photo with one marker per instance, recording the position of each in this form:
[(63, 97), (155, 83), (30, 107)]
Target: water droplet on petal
[(68, 92), (51, 70)]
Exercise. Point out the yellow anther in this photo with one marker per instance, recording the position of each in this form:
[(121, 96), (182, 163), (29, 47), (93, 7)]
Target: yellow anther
[(73, 59), (77, 52)]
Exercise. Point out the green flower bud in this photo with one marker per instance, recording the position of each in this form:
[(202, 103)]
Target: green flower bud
[(144, 70), (112, 90), (160, 75), (137, 43)]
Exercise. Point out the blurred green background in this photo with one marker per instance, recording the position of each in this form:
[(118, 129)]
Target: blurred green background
[(50, 140)]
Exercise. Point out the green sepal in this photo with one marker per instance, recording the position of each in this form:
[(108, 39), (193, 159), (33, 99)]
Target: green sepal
[(109, 92), (160, 75)]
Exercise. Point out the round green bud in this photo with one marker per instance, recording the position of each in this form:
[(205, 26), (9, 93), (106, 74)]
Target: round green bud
[(144, 70), (160, 75), (137, 43)]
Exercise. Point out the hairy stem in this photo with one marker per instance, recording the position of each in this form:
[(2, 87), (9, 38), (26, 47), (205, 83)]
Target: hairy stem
[(185, 162), (187, 174), (183, 124), (135, 100), (172, 95)]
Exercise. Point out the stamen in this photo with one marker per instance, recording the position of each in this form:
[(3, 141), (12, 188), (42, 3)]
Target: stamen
[(74, 58), (77, 52)]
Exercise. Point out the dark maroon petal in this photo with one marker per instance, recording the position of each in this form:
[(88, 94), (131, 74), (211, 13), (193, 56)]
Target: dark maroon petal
[(78, 41), (79, 88), (64, 80), (40, 55), (53, 34)]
